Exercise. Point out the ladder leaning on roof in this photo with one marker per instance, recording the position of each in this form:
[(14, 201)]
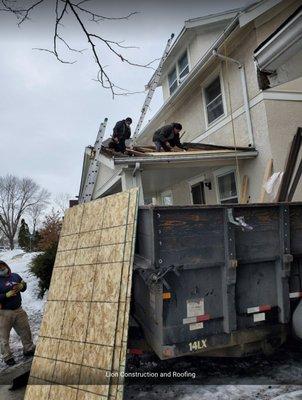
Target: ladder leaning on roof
[(93, 165), (152, 87)]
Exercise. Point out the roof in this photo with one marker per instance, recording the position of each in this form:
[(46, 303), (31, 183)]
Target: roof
[(195, 151)]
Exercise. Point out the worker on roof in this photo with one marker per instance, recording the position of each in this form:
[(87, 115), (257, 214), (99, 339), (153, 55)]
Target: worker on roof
[(167, 137), (12, 314), (121, 132)]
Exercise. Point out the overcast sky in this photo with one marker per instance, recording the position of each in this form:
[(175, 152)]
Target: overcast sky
[(50, 111)]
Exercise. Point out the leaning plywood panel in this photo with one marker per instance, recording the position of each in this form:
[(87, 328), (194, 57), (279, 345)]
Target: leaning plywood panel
[(83, 336)]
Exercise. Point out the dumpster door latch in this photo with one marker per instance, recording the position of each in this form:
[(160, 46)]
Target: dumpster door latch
[(238, 221)]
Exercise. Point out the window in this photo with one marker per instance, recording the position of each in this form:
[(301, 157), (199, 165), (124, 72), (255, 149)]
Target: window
[(178, 73), (227, 188), (213, 100), (183, 66), (197, 191), (166, 198), (172, 78)]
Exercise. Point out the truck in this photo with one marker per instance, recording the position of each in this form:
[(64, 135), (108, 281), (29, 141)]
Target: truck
[(219, 280)]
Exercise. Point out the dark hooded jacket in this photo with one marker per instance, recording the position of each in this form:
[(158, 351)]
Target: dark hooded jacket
[(166, 134), (7, 283), (121, 131)]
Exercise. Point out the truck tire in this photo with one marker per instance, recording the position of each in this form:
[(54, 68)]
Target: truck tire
[(297, 321)]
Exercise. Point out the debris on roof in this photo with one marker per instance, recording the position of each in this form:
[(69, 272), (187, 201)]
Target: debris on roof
[(147, 151)]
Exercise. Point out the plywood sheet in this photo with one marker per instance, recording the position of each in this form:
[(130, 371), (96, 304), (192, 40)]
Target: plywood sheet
[(83, 334)]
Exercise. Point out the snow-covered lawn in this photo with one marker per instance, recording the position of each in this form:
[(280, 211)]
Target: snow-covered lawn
[(19, 262)]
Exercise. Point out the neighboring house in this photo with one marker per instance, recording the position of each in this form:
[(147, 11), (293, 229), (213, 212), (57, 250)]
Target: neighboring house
[(231, 79)]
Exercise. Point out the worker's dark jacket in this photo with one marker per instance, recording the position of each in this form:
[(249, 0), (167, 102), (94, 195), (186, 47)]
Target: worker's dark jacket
[(7, 283), (121, 131), (166, 134)]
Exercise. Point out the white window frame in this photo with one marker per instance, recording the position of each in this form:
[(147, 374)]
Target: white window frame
[(166, 193), (205, 84), (175, 65), (176, 80), (222, 172)]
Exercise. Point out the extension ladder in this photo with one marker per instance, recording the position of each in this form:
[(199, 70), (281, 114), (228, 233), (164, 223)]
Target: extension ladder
[(93, 166), (152, 87)]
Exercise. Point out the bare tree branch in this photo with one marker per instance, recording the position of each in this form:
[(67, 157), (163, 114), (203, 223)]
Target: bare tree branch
[(82, 14), (16, 197)]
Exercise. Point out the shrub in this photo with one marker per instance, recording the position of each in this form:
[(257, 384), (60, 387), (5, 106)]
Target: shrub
[(42, 266)]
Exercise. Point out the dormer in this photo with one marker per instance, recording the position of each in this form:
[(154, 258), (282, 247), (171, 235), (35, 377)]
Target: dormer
[(195, 38)]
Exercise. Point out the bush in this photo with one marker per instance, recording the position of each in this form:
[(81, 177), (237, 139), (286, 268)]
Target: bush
[(42, 266)]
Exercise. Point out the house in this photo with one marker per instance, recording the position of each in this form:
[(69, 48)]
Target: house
[(234, 82)]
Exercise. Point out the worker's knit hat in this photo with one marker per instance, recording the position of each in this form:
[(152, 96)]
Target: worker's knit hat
[(3, 263)]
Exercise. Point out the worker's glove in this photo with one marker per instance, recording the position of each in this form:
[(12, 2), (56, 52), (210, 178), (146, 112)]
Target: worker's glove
[(19, 286), (11, 293)]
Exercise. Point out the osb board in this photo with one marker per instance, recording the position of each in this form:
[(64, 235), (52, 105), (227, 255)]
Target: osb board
[(83, 335)]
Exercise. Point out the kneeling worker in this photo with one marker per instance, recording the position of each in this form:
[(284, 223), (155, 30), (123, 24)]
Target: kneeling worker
[(121, 132), (12, 314), (167, 137)]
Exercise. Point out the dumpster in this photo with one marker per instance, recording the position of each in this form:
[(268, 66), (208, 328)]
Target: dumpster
[(217, 280)]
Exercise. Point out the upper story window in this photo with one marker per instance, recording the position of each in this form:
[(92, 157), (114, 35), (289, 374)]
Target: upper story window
[(213, 100), (172, 78), (179, 71), (183, 66)]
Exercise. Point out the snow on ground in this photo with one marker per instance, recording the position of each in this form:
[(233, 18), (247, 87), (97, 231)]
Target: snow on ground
[(19, 262)]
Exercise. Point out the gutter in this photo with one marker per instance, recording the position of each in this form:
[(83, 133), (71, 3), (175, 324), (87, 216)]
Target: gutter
[(282, 44), (199, 157), (201, 63), (245, 95)]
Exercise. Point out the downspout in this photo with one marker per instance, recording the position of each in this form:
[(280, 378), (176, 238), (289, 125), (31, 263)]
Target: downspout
[(137, 176), (245, 95)]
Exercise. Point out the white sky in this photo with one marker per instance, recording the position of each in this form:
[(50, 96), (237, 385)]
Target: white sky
[(50, 111)]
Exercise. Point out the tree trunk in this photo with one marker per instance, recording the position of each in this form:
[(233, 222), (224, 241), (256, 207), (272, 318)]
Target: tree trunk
[(11, 243)]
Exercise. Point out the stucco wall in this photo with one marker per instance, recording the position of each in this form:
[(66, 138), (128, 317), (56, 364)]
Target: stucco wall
[(104, 176)]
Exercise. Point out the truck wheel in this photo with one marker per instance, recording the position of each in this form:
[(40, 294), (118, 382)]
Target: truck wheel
[(297, 321)]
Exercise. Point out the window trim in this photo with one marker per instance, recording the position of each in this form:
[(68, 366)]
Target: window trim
[(176, 80), (217, 73), (175, 65), (222, 172)]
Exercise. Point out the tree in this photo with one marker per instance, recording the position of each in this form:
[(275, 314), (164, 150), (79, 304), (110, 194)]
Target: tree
[(35, 213), (24, 236), (84, 16), (16, 197), (62, 202), (42, 264), (50, 231)]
